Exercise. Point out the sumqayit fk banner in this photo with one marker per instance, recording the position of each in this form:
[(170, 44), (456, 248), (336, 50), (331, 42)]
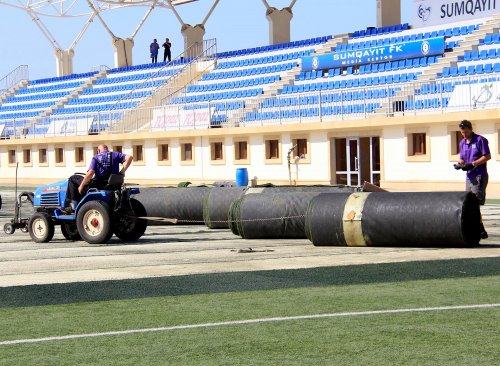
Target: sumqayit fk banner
[(397, 51), (435, 12)]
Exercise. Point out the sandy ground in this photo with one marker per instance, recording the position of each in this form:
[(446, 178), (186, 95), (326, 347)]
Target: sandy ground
[(182, 250)]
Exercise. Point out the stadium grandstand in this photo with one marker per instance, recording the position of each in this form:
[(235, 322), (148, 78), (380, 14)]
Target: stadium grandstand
[(380, 104)]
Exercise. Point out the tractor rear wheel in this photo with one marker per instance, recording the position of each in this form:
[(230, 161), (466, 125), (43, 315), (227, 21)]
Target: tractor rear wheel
[(127, 226), (41, 227), (70, 231), (94, 222)]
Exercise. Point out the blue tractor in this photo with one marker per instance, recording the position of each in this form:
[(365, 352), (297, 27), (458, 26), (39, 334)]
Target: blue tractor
[(99, 215)]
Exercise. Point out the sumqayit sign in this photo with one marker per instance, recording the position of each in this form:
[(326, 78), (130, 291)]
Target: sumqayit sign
[(393, 52), (434, 12)]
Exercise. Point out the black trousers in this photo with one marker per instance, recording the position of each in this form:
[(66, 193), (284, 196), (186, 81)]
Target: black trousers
[(74, 182), (167, 54)]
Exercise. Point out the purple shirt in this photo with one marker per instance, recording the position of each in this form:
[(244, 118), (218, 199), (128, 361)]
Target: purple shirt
[(102, 166), (472, 151)]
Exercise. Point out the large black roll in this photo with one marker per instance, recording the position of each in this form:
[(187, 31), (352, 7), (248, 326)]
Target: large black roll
[(233, 214), (420, 219), (216, 205), (278, 215), (184, 204)]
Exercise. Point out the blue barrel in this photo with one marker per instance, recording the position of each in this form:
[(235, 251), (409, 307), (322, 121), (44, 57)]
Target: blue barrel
[(241, 177)]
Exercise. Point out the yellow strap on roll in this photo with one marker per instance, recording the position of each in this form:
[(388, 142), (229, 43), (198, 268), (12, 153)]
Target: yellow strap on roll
[(353, 213)]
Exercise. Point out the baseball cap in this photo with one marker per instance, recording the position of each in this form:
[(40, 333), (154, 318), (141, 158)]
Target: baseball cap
[(465, 124)]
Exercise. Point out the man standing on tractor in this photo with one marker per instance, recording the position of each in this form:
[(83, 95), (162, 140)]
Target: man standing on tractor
[(103, 164)]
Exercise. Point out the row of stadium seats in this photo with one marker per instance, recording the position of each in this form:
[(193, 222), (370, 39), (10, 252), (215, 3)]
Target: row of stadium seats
[(97, 108), (469, 70), (480, 55), (264, 59), (63, 78), (109, 98), (400, 39), (274, 47), (371, 31), (244, 83), (248, 72), (247, 93), (490, 39)]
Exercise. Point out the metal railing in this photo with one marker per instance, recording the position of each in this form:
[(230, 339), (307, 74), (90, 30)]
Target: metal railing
[(13, 78), (397, 99)]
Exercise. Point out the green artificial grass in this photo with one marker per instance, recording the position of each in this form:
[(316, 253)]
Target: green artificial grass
[(451, 337)]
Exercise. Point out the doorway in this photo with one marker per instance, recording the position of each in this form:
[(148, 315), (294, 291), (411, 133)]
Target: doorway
[(356, 159)]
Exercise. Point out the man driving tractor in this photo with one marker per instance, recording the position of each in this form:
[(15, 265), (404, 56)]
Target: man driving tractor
[(103, 164)]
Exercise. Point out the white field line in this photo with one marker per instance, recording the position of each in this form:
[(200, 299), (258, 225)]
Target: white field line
[(248, 321)]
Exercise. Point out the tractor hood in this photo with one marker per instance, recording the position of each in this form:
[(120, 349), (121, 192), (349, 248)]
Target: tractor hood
[(51, 195)]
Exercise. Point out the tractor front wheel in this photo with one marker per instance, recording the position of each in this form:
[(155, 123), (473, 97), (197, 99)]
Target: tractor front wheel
[(41, 227), (94, 222)]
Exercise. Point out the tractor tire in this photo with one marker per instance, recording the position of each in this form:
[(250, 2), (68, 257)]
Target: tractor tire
[(70, 231), (41, 227), (94, 222), (128, 227)]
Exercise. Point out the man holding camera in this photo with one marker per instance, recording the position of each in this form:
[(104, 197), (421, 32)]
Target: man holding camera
[(474, 153)]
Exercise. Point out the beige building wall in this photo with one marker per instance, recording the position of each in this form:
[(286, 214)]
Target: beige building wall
[(399, 170)]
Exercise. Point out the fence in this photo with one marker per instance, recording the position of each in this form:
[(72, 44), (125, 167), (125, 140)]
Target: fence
[(13, 78)]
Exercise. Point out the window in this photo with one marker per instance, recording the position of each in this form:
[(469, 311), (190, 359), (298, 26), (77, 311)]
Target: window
[(216, 151), (240, 150), (95, 150), (456, 137), (163, 152), (79, 154), (27, 156), (417, 144), (301, 149), (138, 153), (272, 149), (59, 155), (187, 151), (12, 156), (42, 156), (418, 147), (118, 148)]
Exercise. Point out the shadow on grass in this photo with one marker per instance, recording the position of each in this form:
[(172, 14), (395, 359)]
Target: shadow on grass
[(35, 295)]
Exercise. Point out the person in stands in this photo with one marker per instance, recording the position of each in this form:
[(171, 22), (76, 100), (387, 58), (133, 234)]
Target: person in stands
[(167, 53), (153, 49)]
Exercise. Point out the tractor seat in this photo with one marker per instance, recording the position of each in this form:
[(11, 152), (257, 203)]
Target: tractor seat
[(115, 182)]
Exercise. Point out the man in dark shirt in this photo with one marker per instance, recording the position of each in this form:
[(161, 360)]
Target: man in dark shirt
[(103, 164), (474, 153), (166, 52)]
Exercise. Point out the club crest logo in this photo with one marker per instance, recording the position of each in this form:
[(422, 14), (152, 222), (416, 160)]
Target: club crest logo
[(315, 63), (425, 48), (424, 12)]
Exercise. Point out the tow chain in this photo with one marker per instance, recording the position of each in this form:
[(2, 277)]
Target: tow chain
[(186, 221)]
